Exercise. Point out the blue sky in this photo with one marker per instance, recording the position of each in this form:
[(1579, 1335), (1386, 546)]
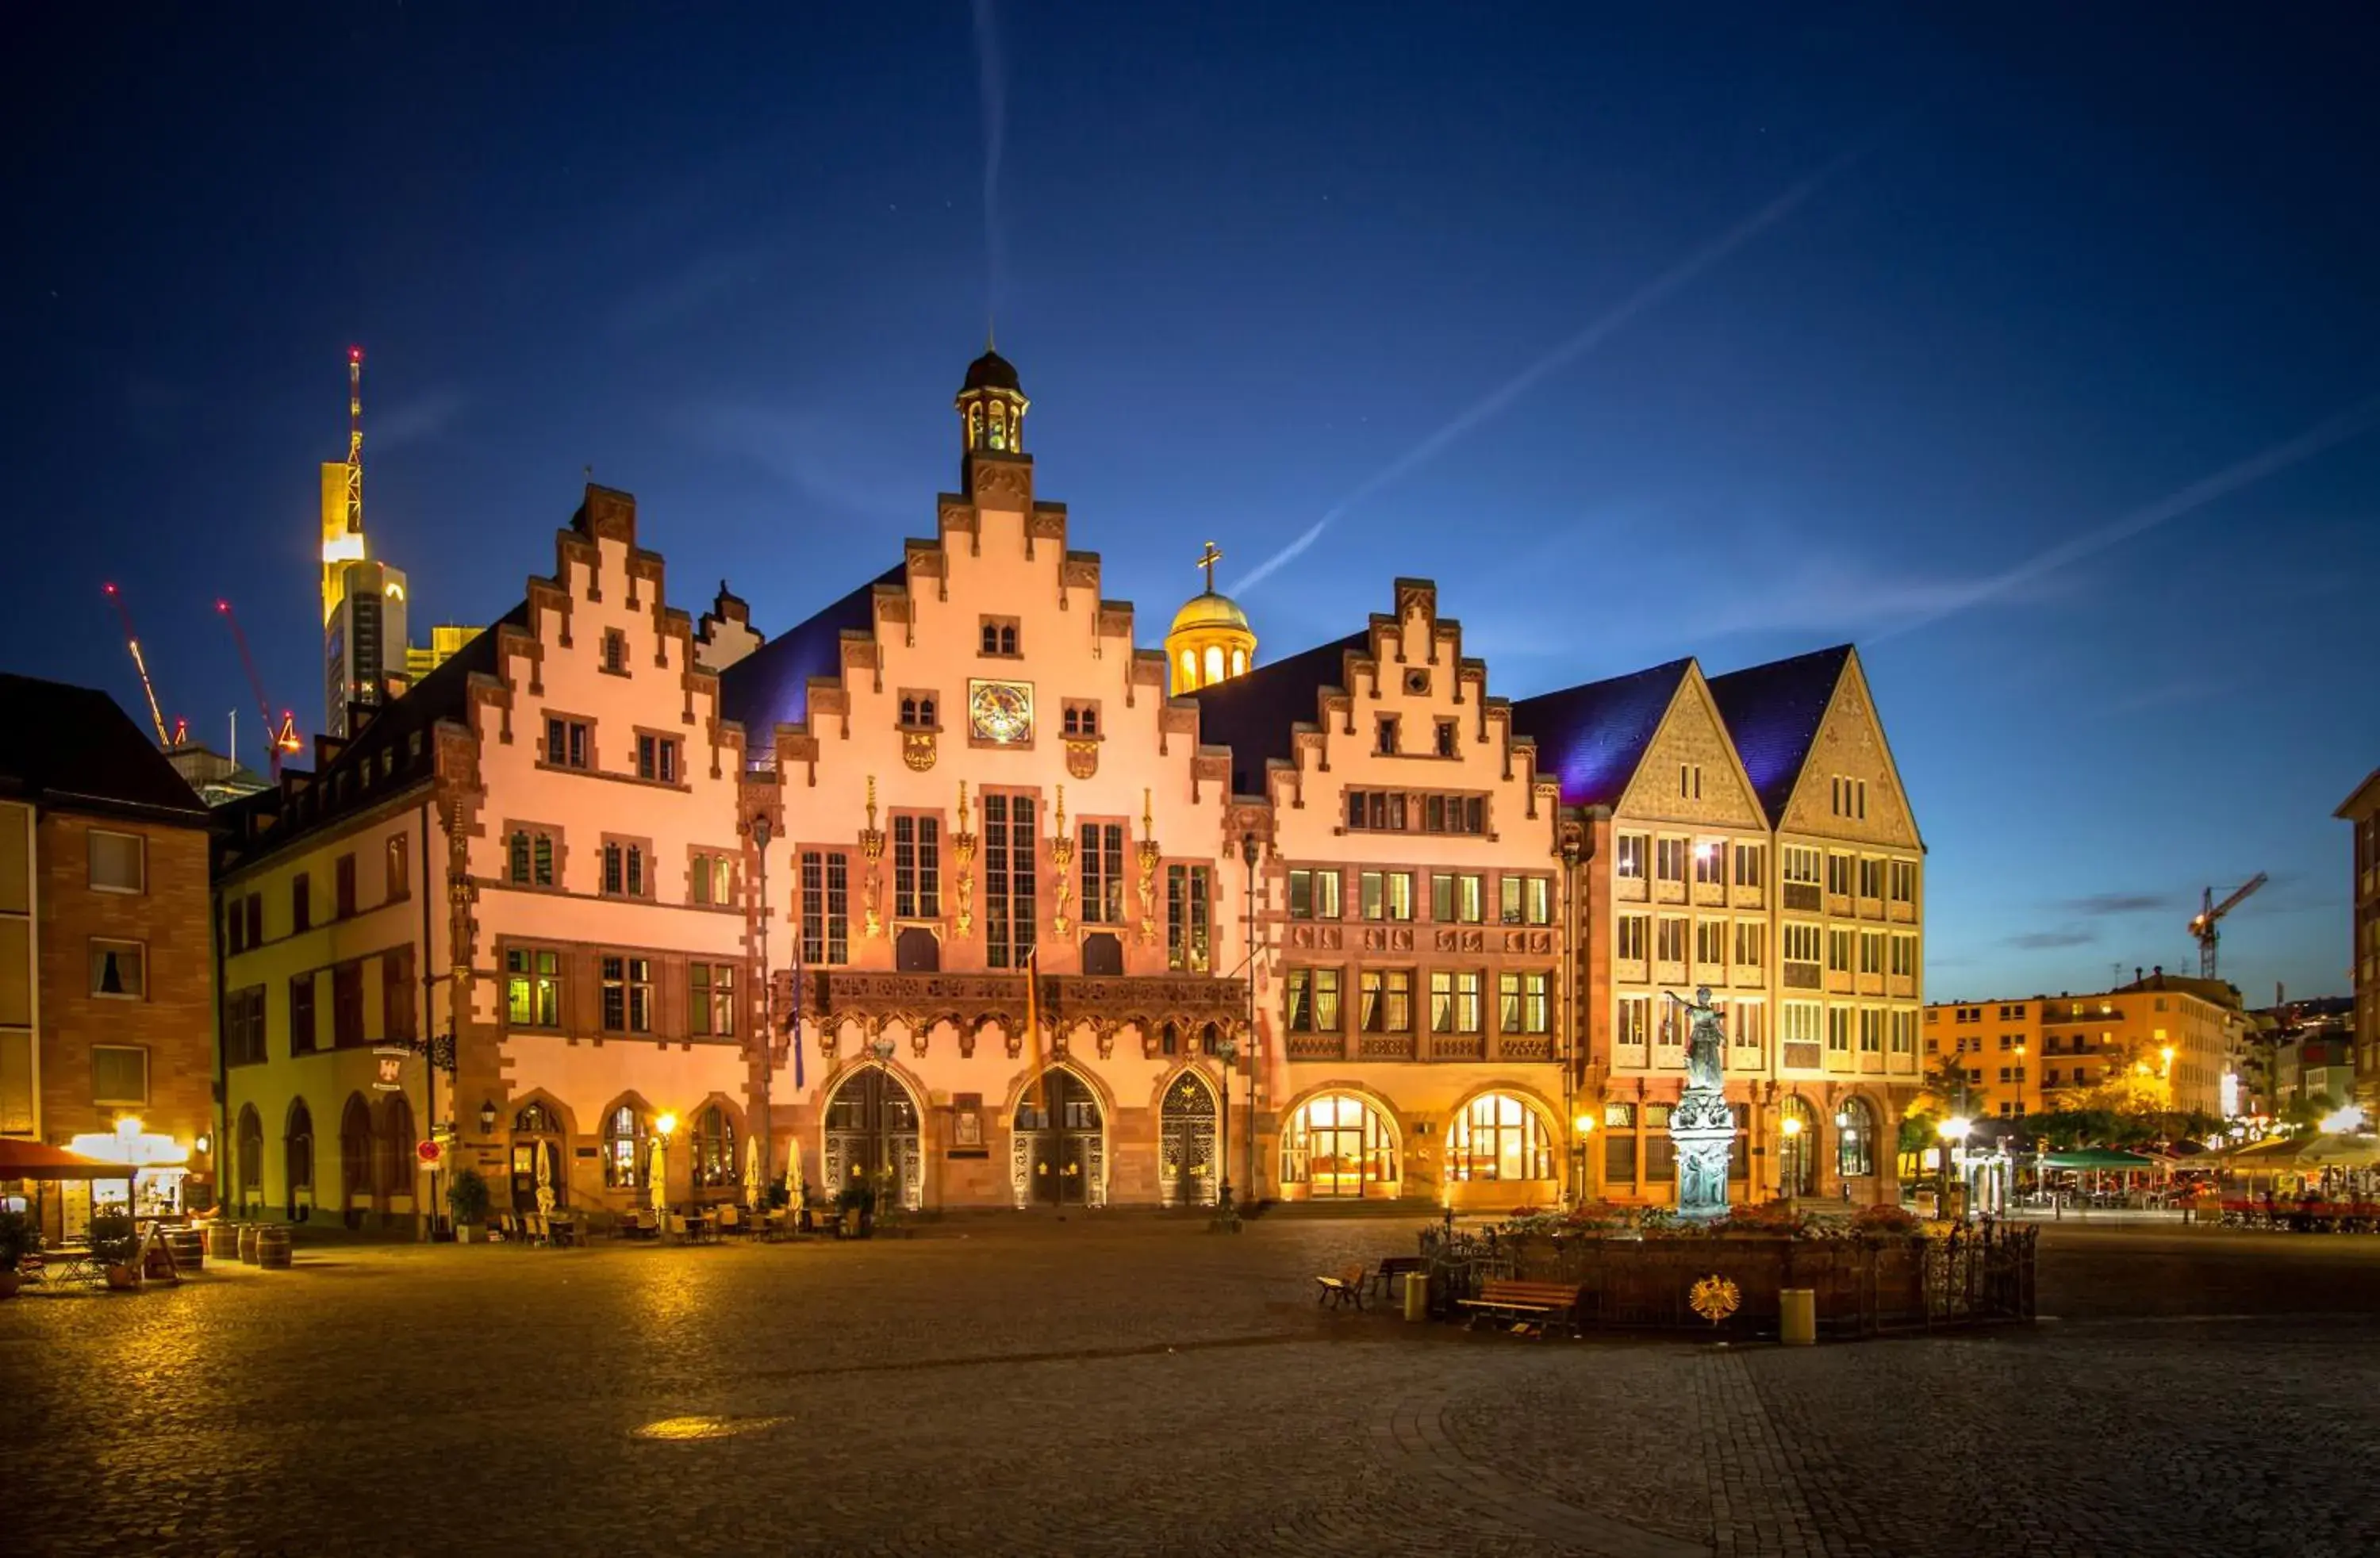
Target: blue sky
[(2002, 346)]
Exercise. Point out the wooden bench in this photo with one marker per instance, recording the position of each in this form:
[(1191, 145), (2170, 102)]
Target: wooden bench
[(1525, 1304), (1345, 1288), (1392, 1267)]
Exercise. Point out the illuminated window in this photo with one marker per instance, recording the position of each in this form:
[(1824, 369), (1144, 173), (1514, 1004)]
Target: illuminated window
[(1499, 1136), (624, 1148), (1214, 664), (1239, 661), (119, 968), (1337, 1145)]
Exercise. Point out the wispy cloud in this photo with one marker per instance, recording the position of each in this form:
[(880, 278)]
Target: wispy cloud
[(991, 81), (705, 280), (2123, 903), (828, 462), (2331, 431), (414, 421), (2179, 690), (1650, 296), (2050, 940)]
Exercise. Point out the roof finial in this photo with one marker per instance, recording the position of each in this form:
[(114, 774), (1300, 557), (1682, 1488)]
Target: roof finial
[(987, 330), (1206, 560)]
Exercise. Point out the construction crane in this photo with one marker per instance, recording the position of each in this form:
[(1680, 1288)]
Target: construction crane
[(276, 740), (132, 642), (2201, 925), (355, 441)]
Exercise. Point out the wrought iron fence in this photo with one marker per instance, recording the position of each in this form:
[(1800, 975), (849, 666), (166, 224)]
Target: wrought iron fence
[(1977, 1274)]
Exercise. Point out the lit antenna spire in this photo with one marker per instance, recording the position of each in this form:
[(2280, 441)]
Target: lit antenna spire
[(355, 441)]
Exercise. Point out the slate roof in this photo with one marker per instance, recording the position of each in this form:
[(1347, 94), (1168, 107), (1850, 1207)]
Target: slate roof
[(770, 686), (1592, 737), (75, 748), (1773, 713), (1255, 714), (385, 746)]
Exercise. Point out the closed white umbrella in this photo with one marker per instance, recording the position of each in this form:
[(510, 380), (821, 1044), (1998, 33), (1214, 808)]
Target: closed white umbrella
[(660, 1174), (751, 1173), (544, 1183)]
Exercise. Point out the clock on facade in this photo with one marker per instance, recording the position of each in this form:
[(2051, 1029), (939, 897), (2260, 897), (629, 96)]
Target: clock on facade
[(1000, 711)]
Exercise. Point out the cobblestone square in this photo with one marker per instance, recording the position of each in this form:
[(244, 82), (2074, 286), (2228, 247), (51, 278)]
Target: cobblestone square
[(1135, 1385)]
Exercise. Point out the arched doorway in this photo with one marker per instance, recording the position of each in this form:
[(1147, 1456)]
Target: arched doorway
[(1499, 1136), (871, 1139), (712, 1156), (355, 1159), (1797, 1149), (298, 1159), (251, 1159), (1855, 1140), (1186, 1142), (1057, 1143), (1339, 1145), (538, 1157)]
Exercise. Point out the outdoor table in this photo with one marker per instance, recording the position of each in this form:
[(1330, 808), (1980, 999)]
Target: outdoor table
[(560, 1232)]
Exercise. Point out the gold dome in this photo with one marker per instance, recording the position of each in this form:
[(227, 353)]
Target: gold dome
[(1210, 610)]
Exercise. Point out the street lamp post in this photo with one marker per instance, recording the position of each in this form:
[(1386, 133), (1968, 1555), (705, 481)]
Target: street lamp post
[(1952, 1130), (768, 1036)]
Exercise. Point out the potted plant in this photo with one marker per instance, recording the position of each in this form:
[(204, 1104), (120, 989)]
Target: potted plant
[(466, 1198), (115, 1249), (18, 1238), (858, 1203)]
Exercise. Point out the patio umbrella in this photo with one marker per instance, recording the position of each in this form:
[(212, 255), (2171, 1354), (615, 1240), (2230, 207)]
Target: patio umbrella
[(660, 1174), (751, 1173), (2102, 1158), (2332, 1151), (544, 1184)]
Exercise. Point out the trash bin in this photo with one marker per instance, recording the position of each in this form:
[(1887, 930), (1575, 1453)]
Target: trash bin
[(1417, 1296), (1797, 1317)]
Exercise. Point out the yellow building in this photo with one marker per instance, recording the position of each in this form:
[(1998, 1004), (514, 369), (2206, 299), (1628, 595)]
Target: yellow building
[(2178, 1037), (446, 640)]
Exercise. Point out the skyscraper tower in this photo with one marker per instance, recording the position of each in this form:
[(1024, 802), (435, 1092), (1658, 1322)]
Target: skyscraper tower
[(363, 602)]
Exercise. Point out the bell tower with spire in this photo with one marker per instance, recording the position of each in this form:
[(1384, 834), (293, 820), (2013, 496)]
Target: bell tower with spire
[(991, 406)]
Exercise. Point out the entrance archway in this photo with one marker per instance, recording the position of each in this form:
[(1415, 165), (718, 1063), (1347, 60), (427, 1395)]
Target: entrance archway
[(297, 1159), (1797, 1149), (871, 1139), (538, 1157), (1186, 1142), (1338, 1144), (1058, 1143), (355, 1194)]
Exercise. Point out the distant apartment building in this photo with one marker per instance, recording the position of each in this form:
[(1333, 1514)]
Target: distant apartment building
[(2040, 1052), (2362, 811), (107, 1017)]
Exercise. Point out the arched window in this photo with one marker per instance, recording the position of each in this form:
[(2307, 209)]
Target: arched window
[(925, 710), (1797, 1149), (1499, 1136), (355, 1146), (908, 710), (1239, 661), (1189, 669), (252, 1149), (536, 1119), (715, 1149), (297, 1159), (1336, 1145), (1855, 1140), (1214, 662), (624, 1148)]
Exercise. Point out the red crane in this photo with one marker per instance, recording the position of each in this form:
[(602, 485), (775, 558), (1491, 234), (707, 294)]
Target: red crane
[(276, 742), (132, 642)]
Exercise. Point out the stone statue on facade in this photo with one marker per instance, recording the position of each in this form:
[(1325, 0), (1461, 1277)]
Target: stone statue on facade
[(1702, 1126)]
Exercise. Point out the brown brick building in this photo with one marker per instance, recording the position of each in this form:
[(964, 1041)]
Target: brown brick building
[(107, 1006), (2362, 811)]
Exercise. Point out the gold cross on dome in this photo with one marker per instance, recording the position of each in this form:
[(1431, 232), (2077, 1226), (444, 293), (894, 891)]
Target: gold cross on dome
[(1206, 560)]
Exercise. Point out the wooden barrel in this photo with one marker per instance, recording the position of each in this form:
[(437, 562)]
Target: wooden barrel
[(189, 1247), (247, 1244), (222, 1240), (272, 1247)]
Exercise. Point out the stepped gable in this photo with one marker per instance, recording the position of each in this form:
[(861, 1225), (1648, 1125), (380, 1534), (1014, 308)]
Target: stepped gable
[(771, 685), (1258, 715), (1593, 738), (1773, 713)]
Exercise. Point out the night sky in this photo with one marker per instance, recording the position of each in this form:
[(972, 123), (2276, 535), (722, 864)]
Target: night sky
[(2039, 357)]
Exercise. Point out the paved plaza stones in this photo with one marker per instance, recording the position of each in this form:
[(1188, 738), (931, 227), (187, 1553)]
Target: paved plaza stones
[(1133, 1386)]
